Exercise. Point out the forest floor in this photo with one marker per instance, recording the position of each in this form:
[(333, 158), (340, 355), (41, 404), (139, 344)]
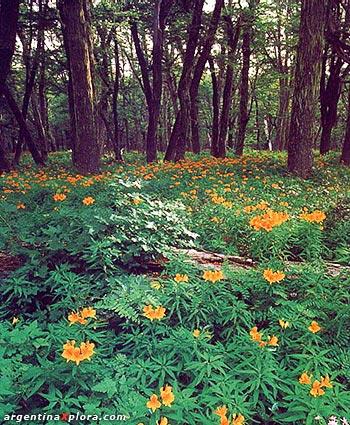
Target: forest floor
[(202, 292)]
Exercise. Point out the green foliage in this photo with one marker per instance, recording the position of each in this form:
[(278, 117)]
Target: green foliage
[(243, 341)]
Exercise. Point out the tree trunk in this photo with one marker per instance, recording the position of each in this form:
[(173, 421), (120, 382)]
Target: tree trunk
[(9, 14), (345, 155), (198, 72), (232, 40), (116, 139), (329, 96), (244, 90), (307, 80), (178, 140), (153, 93), (282, 121), (22, 124), (76, 27), (215, 102)]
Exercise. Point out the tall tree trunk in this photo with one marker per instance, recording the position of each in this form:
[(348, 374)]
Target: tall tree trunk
[(116, 139), (153, 92), (214, 147), (76, 27), (179, 136), (329, 96), (345, 154), (307, 80), (9, 14), (282, 121), (198, 72), (232, 41), (244, 90)]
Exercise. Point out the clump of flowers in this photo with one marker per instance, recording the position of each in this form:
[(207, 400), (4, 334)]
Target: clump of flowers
[(154, 313), (257, 336), (88, 200), (314, 327), (315, 217), (224, 420), (268, 220), (273, 277), (166, 395), (317, 385), (181, 278), (78, 354), (59, 197), (82, 315), (213, 275)]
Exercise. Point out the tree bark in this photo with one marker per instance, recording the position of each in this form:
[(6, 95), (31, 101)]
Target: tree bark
[(76, 27), (214, 147), (345, 154), (198, 72), (244, 90), (4, 90), (307, 80), (153, 92), (178, 140), (232, 41), (329, 96), (9, 14)]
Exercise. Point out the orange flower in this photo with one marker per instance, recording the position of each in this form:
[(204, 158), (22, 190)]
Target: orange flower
[(273, 340), (196, 333), (82, 315), (75, 317), (89, 200), (59, 197), (305, 378), (221, 411), (268, 220), (153, 403), (87, 350), (224, 420), (21, 207), (283, 324), (15, 320), (76, 354), (167, 396), (256, 336), (316, 389), (163, 421), (238, 420), (273, 277), (315, 217), (88, 312), (213, 275), (325, 382), (152, 314), (181, 278), (314, 327), (137, 201)]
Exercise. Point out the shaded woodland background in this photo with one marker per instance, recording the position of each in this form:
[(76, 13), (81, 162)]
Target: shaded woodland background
[(169, 76)]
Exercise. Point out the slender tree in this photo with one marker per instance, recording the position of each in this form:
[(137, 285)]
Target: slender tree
[(247, 29), (179, 135), (198, 72), (153, 89)]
